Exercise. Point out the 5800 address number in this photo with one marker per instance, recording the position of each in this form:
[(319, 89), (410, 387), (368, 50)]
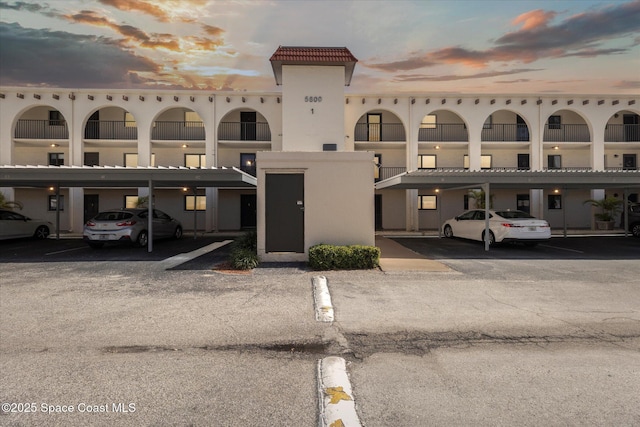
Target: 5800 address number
[(312, 99)]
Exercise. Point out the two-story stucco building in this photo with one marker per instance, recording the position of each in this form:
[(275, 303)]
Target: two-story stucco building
[(345, 145)]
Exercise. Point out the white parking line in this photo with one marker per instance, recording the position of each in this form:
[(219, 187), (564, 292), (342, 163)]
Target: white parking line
[(181, 258), (65, 250), (337, 405), (322, 299), (563, 249)]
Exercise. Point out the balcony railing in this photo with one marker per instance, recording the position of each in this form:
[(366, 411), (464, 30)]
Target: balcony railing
[(385, 172), (108, 129), (566, 133), (380, 132), (179, 131), (505, 132), (244, 131), (42, 129), (444, 132), (622, 133)]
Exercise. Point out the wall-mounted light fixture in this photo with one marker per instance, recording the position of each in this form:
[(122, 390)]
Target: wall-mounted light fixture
[(555, 147), (185, 146)]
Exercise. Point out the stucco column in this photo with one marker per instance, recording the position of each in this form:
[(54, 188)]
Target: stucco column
[(144, 143), (76, 209), (475, 147)]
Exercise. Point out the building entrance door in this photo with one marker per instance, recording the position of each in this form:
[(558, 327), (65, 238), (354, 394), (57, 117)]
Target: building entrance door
[(248, 210), (91, 206), (284, 212)]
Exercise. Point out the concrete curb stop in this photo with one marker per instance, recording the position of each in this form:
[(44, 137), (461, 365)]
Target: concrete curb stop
[(322, 299), (337, 405)]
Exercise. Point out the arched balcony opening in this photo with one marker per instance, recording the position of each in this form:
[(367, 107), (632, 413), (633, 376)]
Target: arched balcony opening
[(178, 124), (442, 126), (566, 126), (379, 126), (41, 123), (111, 123), (505, 126), (623, 126), (244, 125)]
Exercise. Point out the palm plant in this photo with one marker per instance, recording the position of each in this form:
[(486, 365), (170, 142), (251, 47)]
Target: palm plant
[(609, 207), (479, 197), (8, 204)]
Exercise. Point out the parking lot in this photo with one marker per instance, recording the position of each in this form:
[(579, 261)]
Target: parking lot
[(515, 336), (570, 248)]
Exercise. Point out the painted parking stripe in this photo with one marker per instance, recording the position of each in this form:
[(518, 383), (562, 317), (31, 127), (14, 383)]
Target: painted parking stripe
[(337, 404), (322, 299), (562, 249), (176, 260)]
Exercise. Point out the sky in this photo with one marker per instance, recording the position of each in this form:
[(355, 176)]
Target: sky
[(461, 46)]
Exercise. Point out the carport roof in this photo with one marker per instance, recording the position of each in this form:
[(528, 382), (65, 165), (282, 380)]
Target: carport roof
[(443, 179), (106, 176)]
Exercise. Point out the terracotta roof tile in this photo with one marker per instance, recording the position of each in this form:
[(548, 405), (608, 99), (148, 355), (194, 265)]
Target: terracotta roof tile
[(313, 54)]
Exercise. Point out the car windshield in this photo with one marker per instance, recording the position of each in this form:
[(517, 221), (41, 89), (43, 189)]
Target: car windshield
[(514, 215), (113, 216)]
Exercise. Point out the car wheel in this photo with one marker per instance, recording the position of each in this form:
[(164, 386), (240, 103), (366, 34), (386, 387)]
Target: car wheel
[(178, 233), (143, 238), (635, 230), (41, 233), (492, 238), (448, 231), (96, 245)]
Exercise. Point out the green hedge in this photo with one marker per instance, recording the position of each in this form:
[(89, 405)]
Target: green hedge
[(330, 257)]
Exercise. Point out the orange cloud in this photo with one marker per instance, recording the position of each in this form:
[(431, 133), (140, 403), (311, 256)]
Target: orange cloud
[(212, 31), (534, 19), (140, 6)]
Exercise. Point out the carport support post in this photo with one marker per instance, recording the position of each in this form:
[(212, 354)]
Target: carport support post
[(58, 210), (487, 231), (625, 211), (195, 213), (150, 218), (564, 211)]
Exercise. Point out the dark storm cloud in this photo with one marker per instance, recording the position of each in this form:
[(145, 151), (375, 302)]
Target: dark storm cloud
[(57, 58), (578, 35)]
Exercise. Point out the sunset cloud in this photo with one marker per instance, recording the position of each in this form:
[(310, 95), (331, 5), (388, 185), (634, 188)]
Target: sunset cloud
[(579, 35)]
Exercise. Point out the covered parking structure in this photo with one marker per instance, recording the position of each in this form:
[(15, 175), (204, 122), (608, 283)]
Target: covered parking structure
[(513, 179), (122, 177)]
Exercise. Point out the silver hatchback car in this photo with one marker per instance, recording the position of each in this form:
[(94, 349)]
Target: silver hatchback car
[(129, 225)]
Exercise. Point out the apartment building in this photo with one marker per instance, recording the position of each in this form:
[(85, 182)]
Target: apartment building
[(545, 135)]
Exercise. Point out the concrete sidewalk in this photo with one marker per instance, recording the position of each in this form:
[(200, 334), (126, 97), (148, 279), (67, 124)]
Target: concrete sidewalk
[(395, 257)]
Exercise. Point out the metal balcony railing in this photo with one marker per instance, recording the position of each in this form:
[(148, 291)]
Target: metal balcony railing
[(622, 133), (566, 133), (244, 131), (444, 132), (42, 129), (385, 172), (505, 132), (110, 129), (178, 131), (380, 132)]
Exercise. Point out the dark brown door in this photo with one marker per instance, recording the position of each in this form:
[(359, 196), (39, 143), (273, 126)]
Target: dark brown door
[(91, 206), (284, 212), (247, 210)]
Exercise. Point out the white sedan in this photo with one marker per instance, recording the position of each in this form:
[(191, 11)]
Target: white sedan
[(504, 225), (14, 225)]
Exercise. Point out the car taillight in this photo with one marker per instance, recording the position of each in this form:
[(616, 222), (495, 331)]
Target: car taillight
[(90, 224), (509, 225), (125, 223)]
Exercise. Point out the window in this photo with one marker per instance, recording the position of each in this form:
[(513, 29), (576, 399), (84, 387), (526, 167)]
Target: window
[(429, 122), (131, 202), (198, 203), (248, 163), (91, 159), (131, 160), (629, 162), (554, 201), (129, 121), (426, 161), (485, 161), (523, 162), (554, 161), (56, 159), (374, 127), (427, 203), (555, 122), (488, 124), (55, 118), (523, 203), (195, 160), (53, 202)]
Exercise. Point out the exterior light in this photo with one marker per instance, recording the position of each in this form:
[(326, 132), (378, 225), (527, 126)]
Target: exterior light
[(51, 188), (437, 147), (54, 145), (556, 191), (184, 146), (555, 147), (185, 189)]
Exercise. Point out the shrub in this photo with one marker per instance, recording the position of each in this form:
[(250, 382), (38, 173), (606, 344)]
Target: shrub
[(244, 251), (331, 257)]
